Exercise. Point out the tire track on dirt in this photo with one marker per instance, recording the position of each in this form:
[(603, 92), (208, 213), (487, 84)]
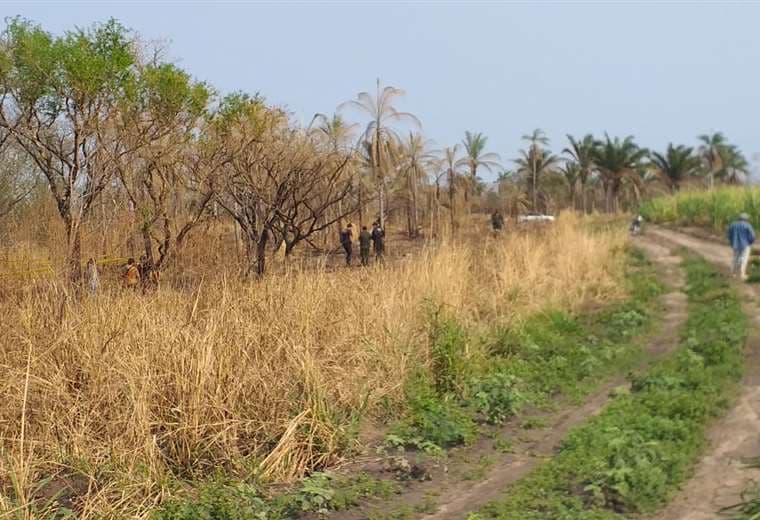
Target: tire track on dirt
[(465, 499), (720, 476)]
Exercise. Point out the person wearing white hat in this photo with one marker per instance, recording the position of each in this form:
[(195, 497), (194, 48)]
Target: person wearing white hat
[(741, 235)]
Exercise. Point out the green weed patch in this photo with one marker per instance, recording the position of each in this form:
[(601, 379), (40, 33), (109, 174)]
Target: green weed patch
[(553, 354), (319, 493), (630, 458)]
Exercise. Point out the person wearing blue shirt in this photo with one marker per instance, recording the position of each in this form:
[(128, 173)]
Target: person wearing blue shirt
[(741, 236)]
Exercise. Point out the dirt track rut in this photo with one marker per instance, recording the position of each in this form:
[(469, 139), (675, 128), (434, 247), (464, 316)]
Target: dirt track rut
[(721, 475), (455, 496), (466, 497)]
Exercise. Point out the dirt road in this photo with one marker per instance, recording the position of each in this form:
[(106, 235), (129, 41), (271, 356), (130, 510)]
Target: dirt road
[(453, 492), (721, 475)]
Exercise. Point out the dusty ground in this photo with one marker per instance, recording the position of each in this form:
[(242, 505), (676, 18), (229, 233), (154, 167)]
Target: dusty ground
[(722, 475), (472, 476)]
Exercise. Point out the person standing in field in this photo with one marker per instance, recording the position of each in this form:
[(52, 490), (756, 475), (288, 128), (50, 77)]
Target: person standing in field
[(365, 241), (131, 275), (635, 228), (91, 276), (497, 221), (741, 235), (147, 276), (378, 240), (347, 241)]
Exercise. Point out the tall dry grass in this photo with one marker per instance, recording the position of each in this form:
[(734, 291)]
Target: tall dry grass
[(267, 378)]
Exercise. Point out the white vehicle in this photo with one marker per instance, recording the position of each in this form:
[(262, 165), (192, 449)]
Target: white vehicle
[(535, 217)]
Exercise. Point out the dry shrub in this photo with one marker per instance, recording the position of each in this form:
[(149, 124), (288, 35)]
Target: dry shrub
[(130, 390)]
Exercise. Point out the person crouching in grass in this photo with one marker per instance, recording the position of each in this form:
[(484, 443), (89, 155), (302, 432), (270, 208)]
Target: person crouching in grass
[(131, 275)]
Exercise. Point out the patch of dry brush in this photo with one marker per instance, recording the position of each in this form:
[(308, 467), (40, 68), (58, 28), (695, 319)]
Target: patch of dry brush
[(132, 390)]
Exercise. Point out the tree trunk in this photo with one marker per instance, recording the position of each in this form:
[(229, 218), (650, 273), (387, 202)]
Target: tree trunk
[(381, 200), (452, 201), (261, 252), (415, 209), (148, 243), (584, 199), (409, 218), (289, 247), (132, 224), (74, 257), (361, 205)]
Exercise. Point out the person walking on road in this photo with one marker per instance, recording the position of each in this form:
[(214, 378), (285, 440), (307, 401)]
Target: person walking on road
[(347, 241), (378, 239), (741, 235), (365, 241)]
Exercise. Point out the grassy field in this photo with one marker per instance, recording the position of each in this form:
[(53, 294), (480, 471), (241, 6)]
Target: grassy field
[(122, 395), (714, 209)]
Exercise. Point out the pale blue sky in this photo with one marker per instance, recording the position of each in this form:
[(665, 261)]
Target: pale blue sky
[(659, 71)]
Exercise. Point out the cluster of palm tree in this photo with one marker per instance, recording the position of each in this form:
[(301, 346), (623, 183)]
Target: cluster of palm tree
[(400, 173), (616, 171)]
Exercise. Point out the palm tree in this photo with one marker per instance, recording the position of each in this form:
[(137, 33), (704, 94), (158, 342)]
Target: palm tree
[(335, 129), (581, 152), (415, 157), (378, 133), (534, 162), (474, 147), (537, 138), (678, 163), (618, 161), (711, 151), (735, 165), (453, 167), (571, 173)]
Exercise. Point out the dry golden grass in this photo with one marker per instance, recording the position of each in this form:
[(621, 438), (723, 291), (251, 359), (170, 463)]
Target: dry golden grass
[(131, 390)]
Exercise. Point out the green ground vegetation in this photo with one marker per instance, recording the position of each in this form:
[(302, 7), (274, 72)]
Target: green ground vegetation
[(714, 209), (630, 458)]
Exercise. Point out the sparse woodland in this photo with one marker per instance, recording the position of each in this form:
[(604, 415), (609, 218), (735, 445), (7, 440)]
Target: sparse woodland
[(256, 355)]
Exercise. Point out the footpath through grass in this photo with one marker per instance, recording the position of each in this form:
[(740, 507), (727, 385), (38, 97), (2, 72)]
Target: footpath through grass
[(469, 384), (631, 458)]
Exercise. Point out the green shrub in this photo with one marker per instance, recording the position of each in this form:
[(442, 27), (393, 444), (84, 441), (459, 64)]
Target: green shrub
[(434, 418), (450, 366), (495, 395)]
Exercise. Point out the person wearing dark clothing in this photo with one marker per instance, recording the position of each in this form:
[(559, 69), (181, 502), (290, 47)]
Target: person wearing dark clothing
[(148, 276), (635, 228), (347, 241), (378, 240), (365, 241), (497, 221)]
